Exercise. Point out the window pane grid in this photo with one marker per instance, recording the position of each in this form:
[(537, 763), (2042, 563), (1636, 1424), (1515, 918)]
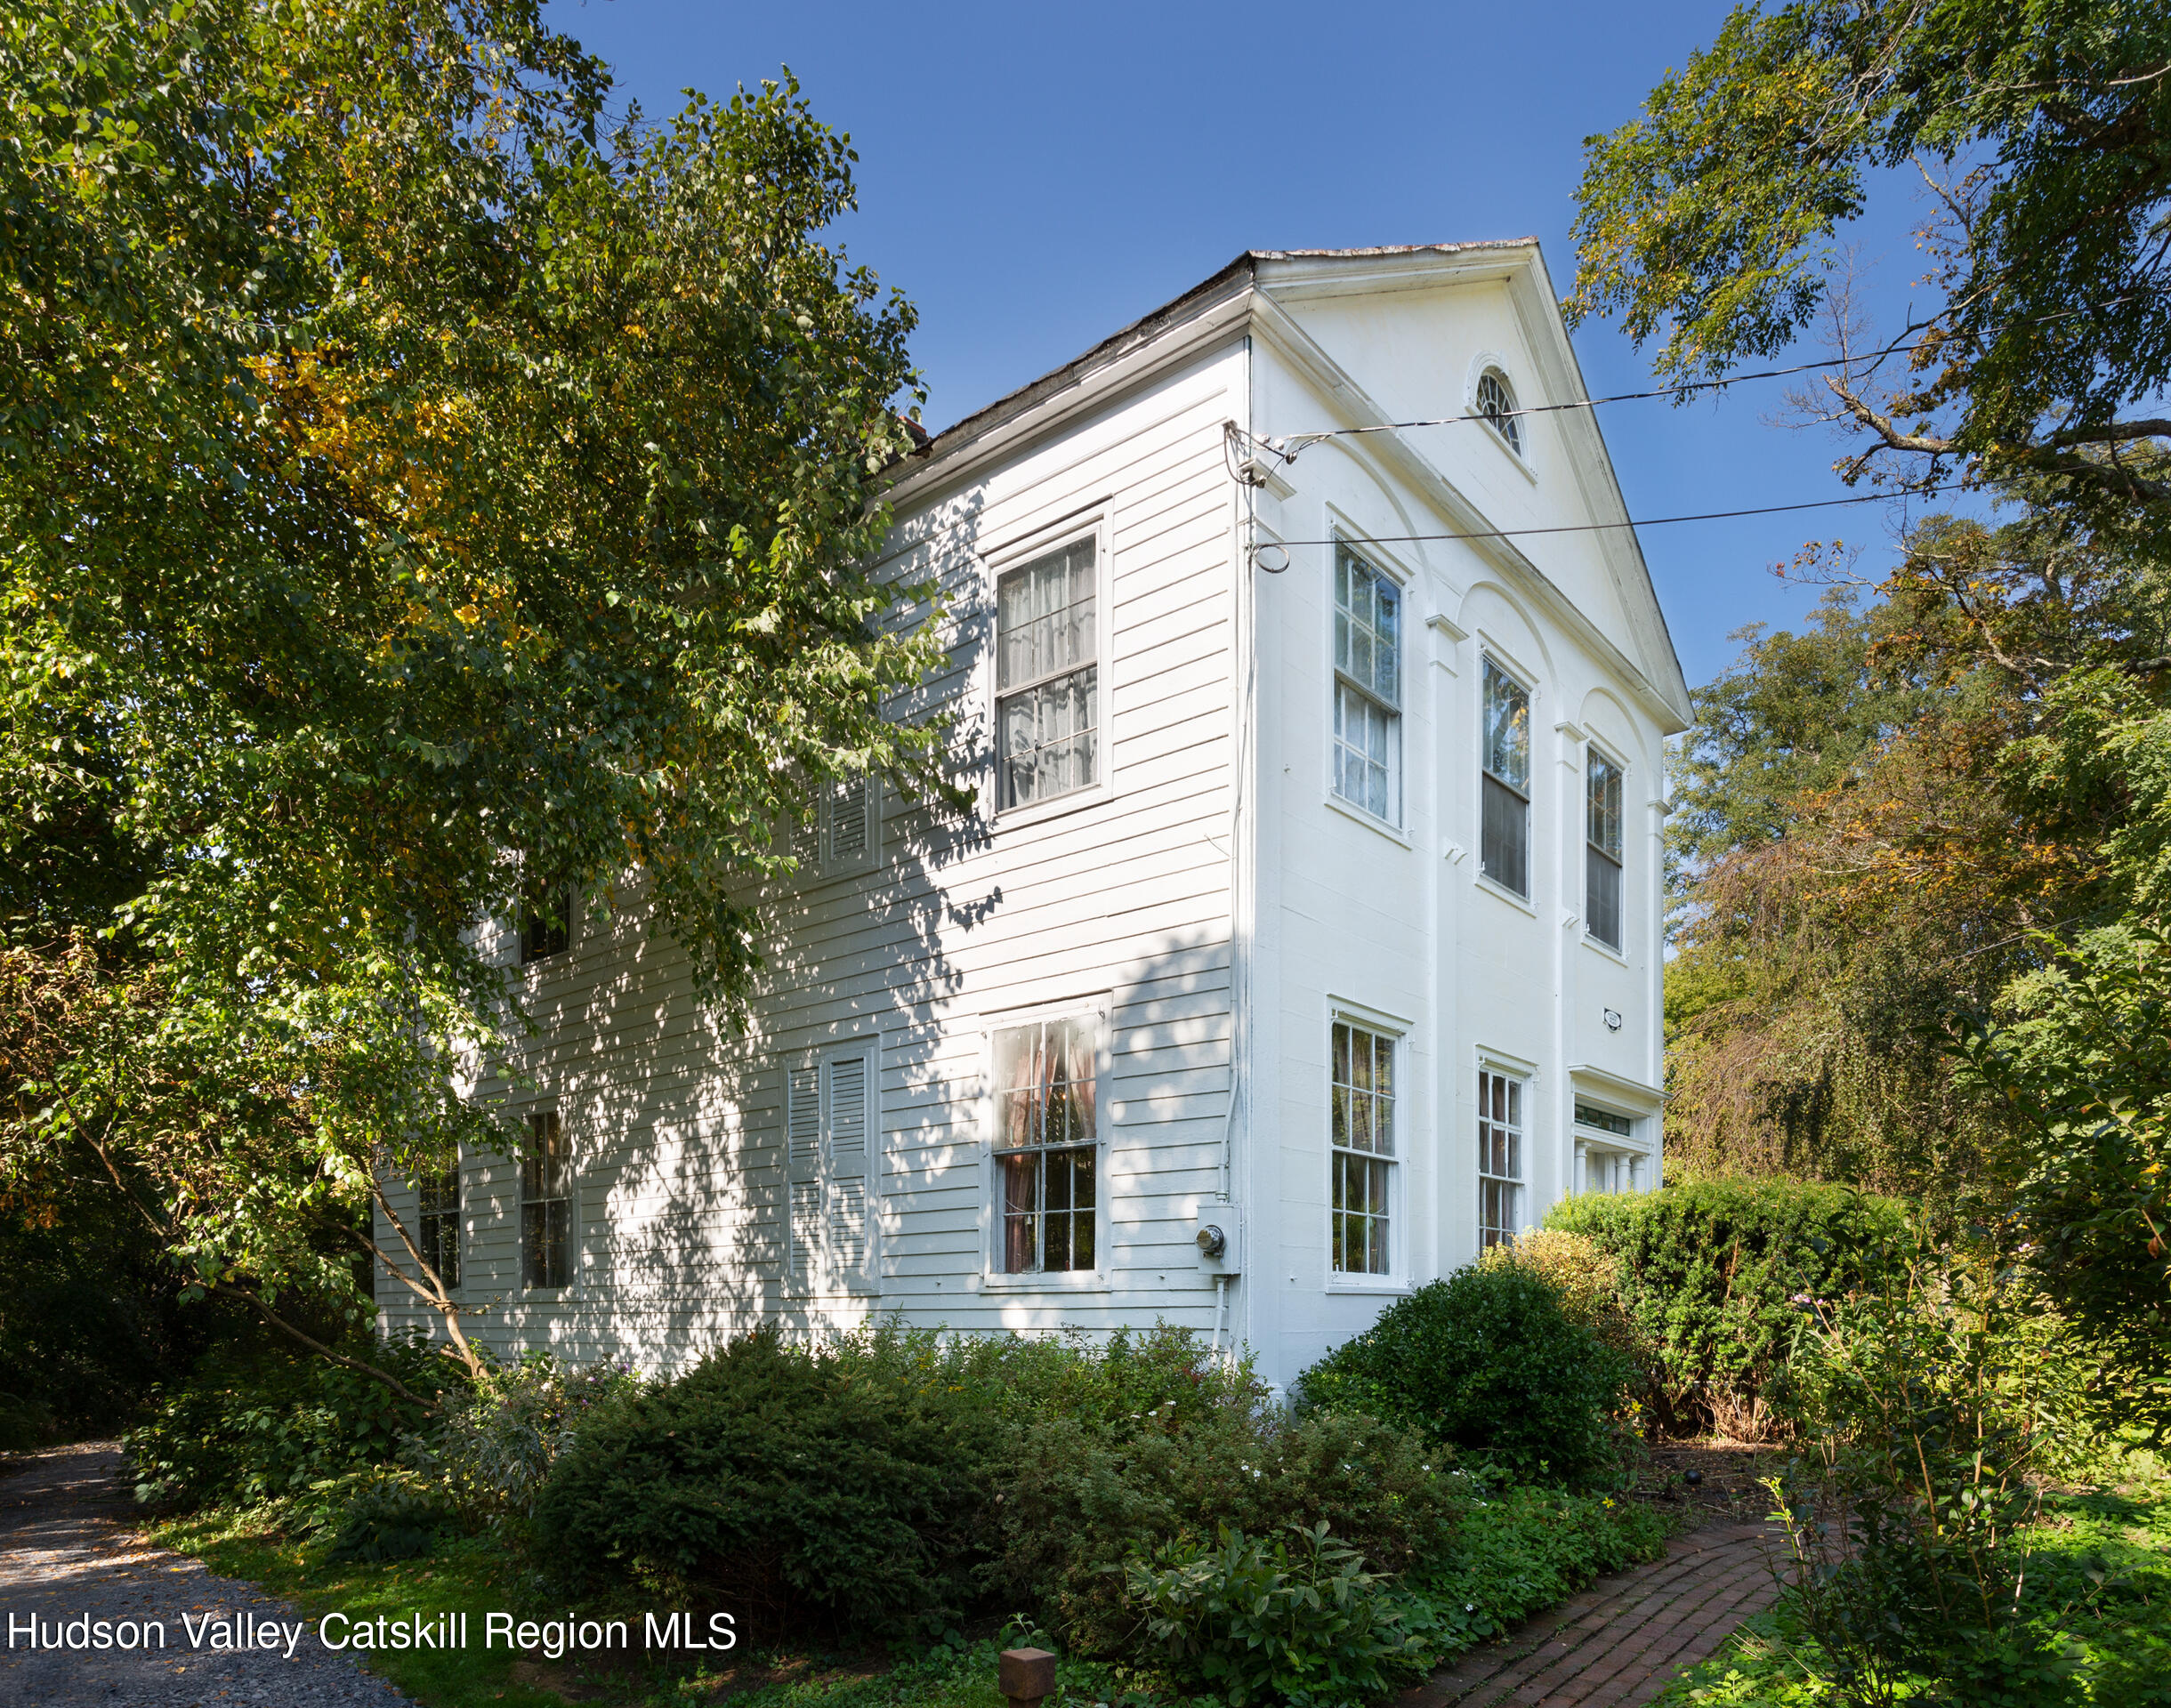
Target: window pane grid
[(1362, 1156), (1496, 404), (546, 1206), (1504, 828), (1047, 681), (1499, 1157), (1047, 1150), (439, 1213), (1368, 686)]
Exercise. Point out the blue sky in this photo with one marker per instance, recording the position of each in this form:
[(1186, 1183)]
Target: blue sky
[(1035, 176)]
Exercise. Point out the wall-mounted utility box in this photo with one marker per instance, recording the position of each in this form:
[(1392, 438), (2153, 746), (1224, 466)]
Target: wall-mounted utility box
[(1219, 1239)]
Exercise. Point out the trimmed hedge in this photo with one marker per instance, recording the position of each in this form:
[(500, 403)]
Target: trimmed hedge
[(1708, 1270), (1490, 1361)]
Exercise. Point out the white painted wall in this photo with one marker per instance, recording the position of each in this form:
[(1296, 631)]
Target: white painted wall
[(1212, 898)]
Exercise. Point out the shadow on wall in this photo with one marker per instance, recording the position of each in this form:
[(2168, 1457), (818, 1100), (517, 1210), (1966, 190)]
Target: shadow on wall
[(677, 1119)]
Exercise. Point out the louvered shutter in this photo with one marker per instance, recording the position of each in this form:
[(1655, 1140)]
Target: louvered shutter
[(850, 1134), (803, 1180), (852, 828)]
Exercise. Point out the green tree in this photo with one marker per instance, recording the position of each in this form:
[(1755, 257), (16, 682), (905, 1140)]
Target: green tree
[(1878, 820), (1713, 223), (407, 497)]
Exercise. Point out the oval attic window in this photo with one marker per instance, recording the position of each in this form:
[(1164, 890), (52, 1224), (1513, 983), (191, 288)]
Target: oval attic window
[(1496, 404)]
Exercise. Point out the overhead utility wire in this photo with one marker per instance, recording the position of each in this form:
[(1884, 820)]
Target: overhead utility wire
[(1594, 528), (1286, 449)]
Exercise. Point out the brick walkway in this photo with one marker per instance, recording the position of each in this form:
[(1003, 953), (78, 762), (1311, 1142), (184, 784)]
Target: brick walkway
[(1624, 1639)]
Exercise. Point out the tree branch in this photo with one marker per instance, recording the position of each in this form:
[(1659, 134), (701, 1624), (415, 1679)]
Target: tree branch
[(319, 1348)]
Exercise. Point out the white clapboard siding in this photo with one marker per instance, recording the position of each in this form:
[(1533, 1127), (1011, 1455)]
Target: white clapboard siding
[(799, 1171)]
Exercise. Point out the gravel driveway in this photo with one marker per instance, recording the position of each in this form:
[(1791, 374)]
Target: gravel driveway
[(67, 1552)]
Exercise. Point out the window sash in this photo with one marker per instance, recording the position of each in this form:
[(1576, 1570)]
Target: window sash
[(1504, 835), (547, 1205), (1367, 704), (1367, 629), (1046, 618), (1047, 1143), (1603, 793), (1047, 676), (1367, 751), (1496, 404), (1499, 1157), (1505, 751), (1602, 896), (1047, 738), (1361, 1149), (546, 919), (438, 1212)]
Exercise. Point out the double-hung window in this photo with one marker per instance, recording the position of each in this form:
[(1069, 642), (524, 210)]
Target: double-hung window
[(1361, 1157), (1503, 831), (1601, 859), (1499, 1156), (546, 918), (1047, 1144), (437, 1210), (547, 1205), (1368, 749), (1047, 707)]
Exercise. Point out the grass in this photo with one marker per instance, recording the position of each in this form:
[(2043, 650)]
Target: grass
[(2099, 1586)]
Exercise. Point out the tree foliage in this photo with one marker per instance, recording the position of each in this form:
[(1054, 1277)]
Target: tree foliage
[(405, 492), (1713, 223)]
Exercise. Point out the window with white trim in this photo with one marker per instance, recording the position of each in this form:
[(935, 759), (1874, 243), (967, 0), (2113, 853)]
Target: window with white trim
[(1368, 746), (1496, 404), (1361, 1154), (437, 1216), (1504, 830), (1601, 858), (830, 1129), (1499, 1157), (547, 1203), (1047, 1150), (1047, 704)]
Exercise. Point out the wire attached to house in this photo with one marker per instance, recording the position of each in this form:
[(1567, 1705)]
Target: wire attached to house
[(1651, 522), (1286, 449)]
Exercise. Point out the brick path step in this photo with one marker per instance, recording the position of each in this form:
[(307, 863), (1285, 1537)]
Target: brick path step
[(1623, 1639)]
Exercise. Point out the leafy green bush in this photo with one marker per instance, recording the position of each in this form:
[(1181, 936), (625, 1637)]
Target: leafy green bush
[(494, 1445), (1488, 1360), (251, 1425), (802, 1487), (1081, 1495), (1928, 1408), (1708, 1271), (1516, 1551), (24, 1425), (1249, 1620), (388, 1515)]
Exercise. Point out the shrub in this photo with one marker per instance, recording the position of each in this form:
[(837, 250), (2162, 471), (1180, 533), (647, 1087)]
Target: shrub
[(252, 1425), (1250, 1620), (1082, 1495), (1929, 1406), (1708, 1271), (495, 1445), (1489, 1361), (386, 1515), (801, 1487), (24, 1425), (1516, 1551)]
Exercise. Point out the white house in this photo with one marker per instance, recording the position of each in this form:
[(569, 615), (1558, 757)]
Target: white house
[(1312, 897)]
